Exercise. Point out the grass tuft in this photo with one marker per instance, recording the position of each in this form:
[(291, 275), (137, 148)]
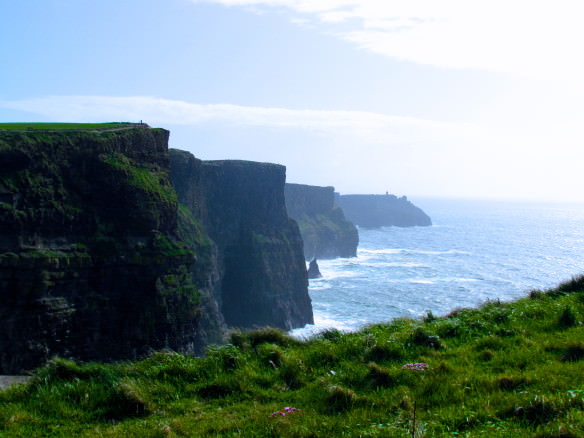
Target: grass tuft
[(573, 352), (270, 335), (567, 318), (340, 399)]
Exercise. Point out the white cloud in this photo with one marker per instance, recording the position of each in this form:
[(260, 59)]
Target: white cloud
[(540, 38), (164, 111), (355, 150)]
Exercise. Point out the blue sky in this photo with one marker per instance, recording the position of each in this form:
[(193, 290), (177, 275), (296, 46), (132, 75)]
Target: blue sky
[(446, 98)]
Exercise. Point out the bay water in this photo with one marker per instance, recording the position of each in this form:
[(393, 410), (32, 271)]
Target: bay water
[(475, 251)]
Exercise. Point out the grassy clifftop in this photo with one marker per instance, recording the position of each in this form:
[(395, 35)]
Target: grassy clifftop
[(503, 370), (66, 126)]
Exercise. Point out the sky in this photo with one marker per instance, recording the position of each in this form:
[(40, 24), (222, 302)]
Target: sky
[(423, 98)]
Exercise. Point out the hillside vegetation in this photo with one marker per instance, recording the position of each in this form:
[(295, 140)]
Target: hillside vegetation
[(503, 370), (65, 126)]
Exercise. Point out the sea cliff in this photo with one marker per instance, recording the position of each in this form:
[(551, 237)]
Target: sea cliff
[(263, 280), (90, 262), (372, 211), (100, 261), (325, 231)]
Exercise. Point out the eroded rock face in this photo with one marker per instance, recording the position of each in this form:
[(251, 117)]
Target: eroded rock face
[(325, 231), (100, 261), (241, 206), (373, 211), (91, 264)]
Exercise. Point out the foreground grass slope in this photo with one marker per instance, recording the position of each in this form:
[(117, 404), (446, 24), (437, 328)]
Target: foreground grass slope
[(504, 370)]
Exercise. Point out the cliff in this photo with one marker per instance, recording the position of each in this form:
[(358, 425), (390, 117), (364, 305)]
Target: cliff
[(263, 278), (100, 261), (371, 211), (325, 231), (91, 264)]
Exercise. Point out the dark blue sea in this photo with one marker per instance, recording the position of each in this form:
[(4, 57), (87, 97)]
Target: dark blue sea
[(475, 251)]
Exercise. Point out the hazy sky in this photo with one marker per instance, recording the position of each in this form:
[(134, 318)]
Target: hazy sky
[(449, 98)]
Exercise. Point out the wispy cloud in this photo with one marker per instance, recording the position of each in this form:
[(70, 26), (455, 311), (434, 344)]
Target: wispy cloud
[(174, 112), (533, 38), (353, 150)]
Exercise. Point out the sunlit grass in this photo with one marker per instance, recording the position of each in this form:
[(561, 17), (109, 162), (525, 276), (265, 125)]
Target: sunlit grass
[(63, 126), (503, 370)]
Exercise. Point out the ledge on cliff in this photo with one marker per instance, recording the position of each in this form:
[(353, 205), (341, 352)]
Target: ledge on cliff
[(325, 231), (372, 211)]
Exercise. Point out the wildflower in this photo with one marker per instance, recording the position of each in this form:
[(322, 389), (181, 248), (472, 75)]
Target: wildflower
[(416, 366), (286, 411)]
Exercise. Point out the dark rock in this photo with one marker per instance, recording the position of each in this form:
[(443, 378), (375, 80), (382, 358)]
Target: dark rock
[(100, 261), (325, 231), (373, 211), (241, 207), (313, 270), (91, 265)]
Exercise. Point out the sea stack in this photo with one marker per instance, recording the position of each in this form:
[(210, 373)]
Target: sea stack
[(313, 270)]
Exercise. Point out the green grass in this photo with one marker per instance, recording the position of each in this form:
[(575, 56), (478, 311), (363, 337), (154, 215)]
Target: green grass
[(64, 126), (503, 370), (153, 180)]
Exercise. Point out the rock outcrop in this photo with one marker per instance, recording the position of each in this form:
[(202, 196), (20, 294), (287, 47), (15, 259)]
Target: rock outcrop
[(91, 264), (313, 270), (100, 261), (241, 207), (325, 231), (372, 211)]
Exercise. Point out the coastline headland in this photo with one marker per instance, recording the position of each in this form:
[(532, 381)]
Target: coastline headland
[(101, 259)]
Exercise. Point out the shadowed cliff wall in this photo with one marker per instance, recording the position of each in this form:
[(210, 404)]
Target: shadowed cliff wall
[(325, 231), (241, 206), (91, 263)]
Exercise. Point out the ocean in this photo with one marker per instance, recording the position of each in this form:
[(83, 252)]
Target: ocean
[(475, 251)]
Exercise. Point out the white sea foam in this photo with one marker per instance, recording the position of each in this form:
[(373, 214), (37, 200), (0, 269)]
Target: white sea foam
[(394, 265), (323, 322)]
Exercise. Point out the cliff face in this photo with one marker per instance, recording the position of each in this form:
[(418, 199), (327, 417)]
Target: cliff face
[(263, 278), (371, 211), (325, 231), (100, 261), (91, 262)]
